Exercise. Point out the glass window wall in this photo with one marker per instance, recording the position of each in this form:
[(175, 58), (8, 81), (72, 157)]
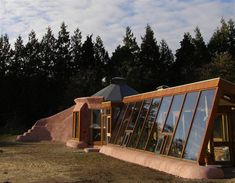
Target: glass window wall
[(183, 124), (199, 125), (139, 123)]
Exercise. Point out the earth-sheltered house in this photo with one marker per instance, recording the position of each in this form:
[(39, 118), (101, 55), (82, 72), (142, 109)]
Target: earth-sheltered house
[(187, 130)]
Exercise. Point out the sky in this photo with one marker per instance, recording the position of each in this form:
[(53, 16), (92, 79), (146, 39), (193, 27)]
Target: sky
[(169, 19)]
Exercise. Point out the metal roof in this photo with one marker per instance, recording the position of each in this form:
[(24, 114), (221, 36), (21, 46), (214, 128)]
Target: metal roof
[(116, 90)]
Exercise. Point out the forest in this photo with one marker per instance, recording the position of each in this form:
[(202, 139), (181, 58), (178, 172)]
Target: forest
[(42, 77)]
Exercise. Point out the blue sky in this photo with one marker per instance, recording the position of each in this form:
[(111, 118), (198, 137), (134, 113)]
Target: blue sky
[(170, 19)]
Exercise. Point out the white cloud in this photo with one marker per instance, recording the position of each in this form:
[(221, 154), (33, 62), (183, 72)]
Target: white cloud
[(169, 18)]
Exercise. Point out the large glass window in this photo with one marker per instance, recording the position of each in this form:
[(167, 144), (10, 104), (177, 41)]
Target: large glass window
[(174, 113), (183, 124), (166, 101), (96, 125), (199, 125), (118, 123), (139, 123), (149, 123), (134, 116), (157, 139), (125, 122)]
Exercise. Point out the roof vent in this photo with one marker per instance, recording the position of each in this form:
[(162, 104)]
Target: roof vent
[(162, 87), (118, 80)]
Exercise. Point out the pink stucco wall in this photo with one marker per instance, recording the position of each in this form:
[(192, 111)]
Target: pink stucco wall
[(181, 168), (55, 128)]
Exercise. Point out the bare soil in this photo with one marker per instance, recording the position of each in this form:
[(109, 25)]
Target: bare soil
[(53, 162)]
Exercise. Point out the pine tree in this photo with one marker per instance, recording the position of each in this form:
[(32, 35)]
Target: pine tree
[(184, 66), (166, 61), (63, 59), (125, 59), (5, 55), (150, 61), (48, 54), (202, 55), (223, 65), (76, 51), (18, 61), (223, 39), (32, 59)]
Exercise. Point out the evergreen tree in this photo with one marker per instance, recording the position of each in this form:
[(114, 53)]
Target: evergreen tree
[(32, 58), (223, 39), (223, 65), (5, 55), (202, 55), (63, 59), (166, 61), (125, 59), (184, 65), (18, 60), (150, 62), (48, 54), (76, 51)]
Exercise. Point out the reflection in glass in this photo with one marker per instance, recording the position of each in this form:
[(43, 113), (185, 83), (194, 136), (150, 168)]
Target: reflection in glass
[(124, 123), (118, 123), (149, 123), (96, 125), (157, 138), (166, 101), (139, 123), (199, 125), (220, 132), (183, 124), (134, 116), (174, 113), (222, 153)]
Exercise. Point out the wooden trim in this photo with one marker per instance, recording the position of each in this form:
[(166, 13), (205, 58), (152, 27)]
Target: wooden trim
[(191, 124), (110, 104), (151, 131), (177, 122), (209, 126), (197, 86)]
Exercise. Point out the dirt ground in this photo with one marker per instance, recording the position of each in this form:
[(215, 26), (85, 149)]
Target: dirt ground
[(53, 162)]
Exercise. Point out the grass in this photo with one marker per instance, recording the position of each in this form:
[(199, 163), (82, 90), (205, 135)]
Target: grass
[(53, 162)]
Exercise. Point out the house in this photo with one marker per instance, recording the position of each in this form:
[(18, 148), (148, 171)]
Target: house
[(187, 130)]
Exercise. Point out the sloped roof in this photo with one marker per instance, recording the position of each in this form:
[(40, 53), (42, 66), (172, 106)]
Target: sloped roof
[(116, 90)]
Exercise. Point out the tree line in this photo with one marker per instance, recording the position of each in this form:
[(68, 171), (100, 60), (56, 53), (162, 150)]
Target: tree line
[(42, 77)]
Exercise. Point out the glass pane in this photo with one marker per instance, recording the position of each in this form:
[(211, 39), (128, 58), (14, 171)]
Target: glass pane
[(117, 123), (135, 115), (166, 101), (149, 123), (139, 123), (167, 144), (174, 113), (125, 122), (96, 119), (222, 153), (199, 125), (220, 132), (183, 124), (96, 136)]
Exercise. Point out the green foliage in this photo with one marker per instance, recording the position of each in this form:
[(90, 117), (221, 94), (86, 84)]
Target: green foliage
[(40, 78), (223, 65)]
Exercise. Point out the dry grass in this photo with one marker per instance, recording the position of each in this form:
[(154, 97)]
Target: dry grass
[(53, 162)]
